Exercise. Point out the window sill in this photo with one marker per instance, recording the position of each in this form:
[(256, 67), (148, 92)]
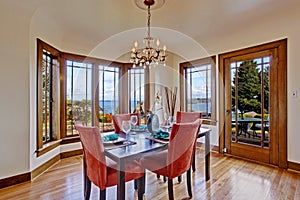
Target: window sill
[(69, 140), (209, 122), (48, 147)]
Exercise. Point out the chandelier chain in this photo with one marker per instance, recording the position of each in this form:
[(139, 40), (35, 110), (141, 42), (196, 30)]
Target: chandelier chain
[(149, 16)]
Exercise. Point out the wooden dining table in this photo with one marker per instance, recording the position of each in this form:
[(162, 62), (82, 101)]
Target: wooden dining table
[(142, 146)]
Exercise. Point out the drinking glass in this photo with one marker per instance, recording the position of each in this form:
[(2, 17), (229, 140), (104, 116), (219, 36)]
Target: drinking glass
[(126, 127), (134, 120)]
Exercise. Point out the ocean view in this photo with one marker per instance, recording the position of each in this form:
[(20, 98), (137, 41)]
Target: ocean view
[(110, 106)]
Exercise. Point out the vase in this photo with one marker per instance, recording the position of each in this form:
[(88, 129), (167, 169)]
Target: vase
[(153, 123), (171, 120)]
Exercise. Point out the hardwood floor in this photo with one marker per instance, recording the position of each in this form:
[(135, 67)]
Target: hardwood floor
[(231, 178)]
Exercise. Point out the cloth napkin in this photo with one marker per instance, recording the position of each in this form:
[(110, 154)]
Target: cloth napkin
[(161, 134), (142, 127), (110, 137)]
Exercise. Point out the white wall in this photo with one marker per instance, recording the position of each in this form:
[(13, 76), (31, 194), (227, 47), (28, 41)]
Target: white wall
[(14, 91)]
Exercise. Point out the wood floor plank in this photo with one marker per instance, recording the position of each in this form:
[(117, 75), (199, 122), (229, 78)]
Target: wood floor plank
[(231, 178)]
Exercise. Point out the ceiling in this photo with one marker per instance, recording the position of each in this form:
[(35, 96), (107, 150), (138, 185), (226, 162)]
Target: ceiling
[(115, 24)]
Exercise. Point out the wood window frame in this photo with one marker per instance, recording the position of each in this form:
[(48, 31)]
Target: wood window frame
[(41, 146), (182, 66)]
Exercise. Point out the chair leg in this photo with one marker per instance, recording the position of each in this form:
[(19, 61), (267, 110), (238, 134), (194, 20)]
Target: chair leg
[(135, 184), (165, 179), (84, 176), (188, 181), (87, 191), (141, 186), (170, 189), (194, 162), (102, 194), (179, 179)]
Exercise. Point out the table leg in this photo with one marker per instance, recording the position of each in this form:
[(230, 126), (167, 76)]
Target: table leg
[(207, 156), (121, 181)]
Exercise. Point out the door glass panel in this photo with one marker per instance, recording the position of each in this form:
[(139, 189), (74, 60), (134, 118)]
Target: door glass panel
[(250, 101)]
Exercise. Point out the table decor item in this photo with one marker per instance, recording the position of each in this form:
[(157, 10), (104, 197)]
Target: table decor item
[(171, 96), (152, 122), (126, 127)]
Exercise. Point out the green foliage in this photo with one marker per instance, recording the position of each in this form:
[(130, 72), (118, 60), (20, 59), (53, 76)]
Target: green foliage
[(248, 79), (80, 110)]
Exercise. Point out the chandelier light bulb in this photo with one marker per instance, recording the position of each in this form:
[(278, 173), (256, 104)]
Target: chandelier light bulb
[(165, 48)]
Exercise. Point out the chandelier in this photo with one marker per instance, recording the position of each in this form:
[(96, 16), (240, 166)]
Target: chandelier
[(144, 57)]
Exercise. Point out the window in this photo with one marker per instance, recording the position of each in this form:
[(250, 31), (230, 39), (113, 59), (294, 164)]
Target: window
[(109, 92), (136, 90), (78, 94), (73, 87), (198, 87), (48, 101)]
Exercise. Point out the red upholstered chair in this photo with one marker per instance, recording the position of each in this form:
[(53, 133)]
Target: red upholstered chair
[(118, 118), (184, 117), (187, 117), (101, 171), (178, 158)]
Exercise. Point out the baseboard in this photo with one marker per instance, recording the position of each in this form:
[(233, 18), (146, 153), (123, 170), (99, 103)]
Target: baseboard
[(39, 170), (71, 153), (212, 147), (294, 166), (21, 178)]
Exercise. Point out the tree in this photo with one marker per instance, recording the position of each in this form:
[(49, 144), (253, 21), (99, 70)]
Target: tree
[(247, 87)]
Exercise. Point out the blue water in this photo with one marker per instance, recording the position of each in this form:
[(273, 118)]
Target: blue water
[(111, 106)]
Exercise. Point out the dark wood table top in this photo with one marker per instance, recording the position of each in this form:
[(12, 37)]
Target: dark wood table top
[(142, 146)]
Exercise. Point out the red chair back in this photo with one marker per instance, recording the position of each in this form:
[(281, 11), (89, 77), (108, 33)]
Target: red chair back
[(186, 117), (118, 118), (181, 147), (94, 156)]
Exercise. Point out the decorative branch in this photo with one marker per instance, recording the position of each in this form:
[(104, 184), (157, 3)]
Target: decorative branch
[(171, 100)]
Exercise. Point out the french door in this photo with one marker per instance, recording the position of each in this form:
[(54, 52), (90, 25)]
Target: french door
[(254, 111)]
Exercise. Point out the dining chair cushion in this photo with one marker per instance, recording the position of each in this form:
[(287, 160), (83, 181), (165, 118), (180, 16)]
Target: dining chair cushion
[(133, 169), (157, 163)]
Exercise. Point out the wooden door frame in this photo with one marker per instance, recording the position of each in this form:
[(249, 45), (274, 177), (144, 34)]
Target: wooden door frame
[(279, 155)]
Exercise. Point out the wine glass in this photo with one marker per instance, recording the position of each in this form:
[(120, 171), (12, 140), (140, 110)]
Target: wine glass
[(134, 120), (126, 127)]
